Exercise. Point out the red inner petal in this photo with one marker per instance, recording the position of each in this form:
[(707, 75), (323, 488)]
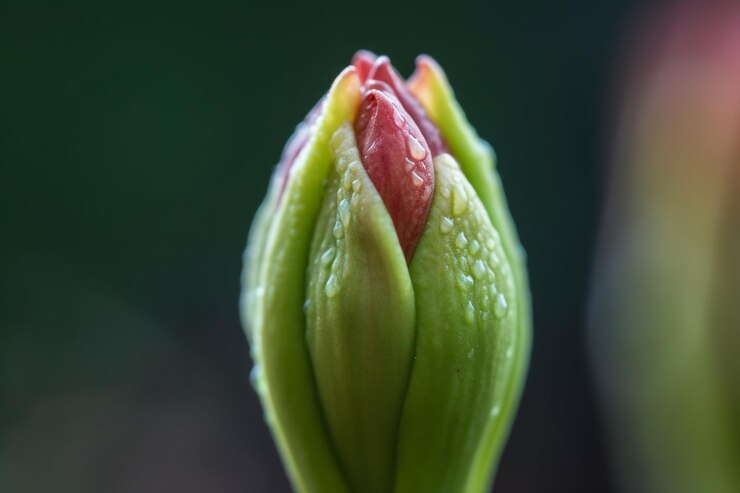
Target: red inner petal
[(383, 71), (398, 161), (363, 61)]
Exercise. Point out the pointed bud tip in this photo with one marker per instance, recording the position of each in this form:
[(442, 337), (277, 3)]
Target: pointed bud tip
[(363, 61), (382, 70), (426, 68)]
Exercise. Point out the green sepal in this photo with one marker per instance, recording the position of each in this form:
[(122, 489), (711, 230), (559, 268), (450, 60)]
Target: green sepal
[(283, 375), (253, 257), (466, 337), (360, 319), (477, 161)]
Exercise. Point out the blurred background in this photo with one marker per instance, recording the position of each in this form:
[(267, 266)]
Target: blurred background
[(136, 143), (664, 318)]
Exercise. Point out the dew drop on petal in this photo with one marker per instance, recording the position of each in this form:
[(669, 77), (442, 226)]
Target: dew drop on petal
[(344, 211), (398, 118), (416, 179), (464, 264), (445, 225), (338, 230), (459, 201), (460, 240), (479, 269), (466, 282), (492, 290), (416, 150), (494, 259), (342, 163), (332, 286), (256, 378), (501, 306), (259, 292), (328, 256), (469, 312)]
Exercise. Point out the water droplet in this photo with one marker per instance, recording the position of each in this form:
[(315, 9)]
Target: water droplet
[(479, 269), (460, 240), (344, 211), (416, 150), (342, 163), (471, 353), (474, 247), (398, 119), (416, 179), (465, 282), (495, 410), (409, 164), (328, 256), (490, 244), (463, 264), (332, 286), (459, 201), (336, 140), (469, 312), (445, 192), (501, 306), (338, 230), (356, 185), (492, 290), (445, 225), (493, 258), (255, 378)]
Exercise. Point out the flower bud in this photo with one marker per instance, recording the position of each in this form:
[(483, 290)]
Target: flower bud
[(384, 292)]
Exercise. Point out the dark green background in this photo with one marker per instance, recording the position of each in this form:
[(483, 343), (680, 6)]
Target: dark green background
[(136, 142)]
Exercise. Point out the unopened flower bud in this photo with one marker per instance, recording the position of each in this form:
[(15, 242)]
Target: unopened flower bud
[(385, 293)]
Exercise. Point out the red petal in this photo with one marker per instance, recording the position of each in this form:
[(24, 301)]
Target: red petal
[(363, 62), (399, 163), (383, 71)]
